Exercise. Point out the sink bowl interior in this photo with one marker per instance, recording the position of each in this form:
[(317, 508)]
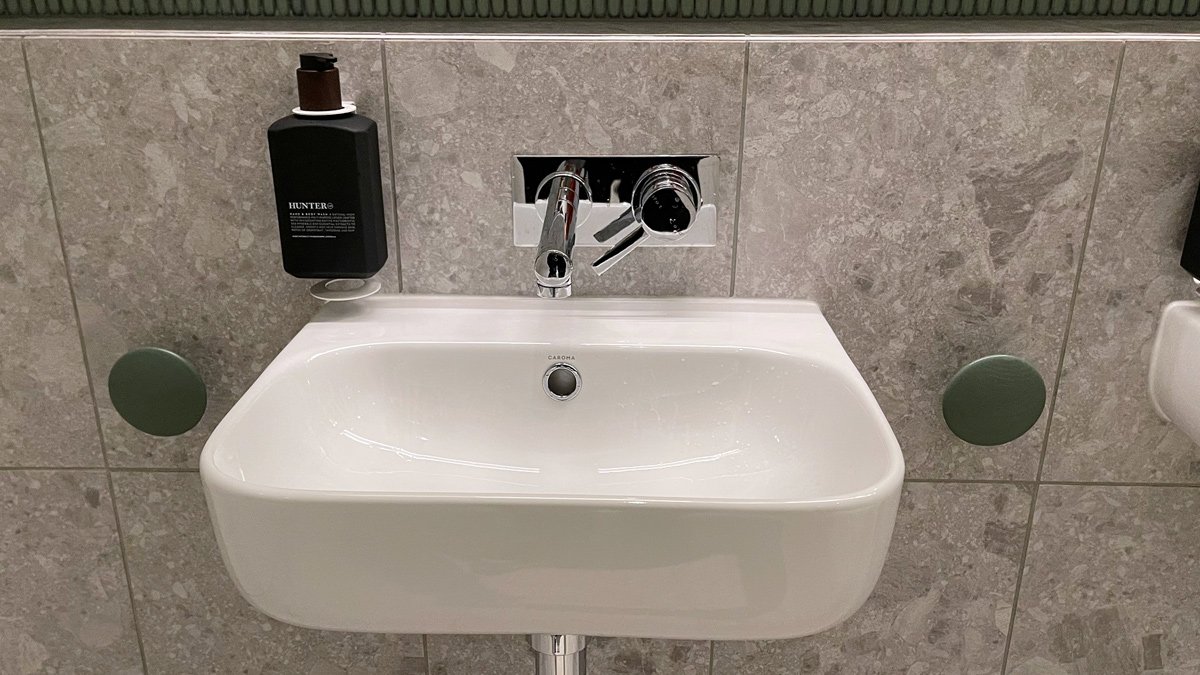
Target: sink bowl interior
[(722, 473), (695, 423)]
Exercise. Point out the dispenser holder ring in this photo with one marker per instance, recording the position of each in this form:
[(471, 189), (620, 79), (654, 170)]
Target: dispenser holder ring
[(347, 108), (344, 290)]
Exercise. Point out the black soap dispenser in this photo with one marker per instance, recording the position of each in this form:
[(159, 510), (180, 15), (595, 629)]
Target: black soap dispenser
[(328, 192), (1190, 260)]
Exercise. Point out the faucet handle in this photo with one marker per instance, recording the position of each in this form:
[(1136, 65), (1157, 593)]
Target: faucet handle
[(665, 202), (619, 250)]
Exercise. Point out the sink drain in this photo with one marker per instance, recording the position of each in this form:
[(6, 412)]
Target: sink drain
[(562, 382)]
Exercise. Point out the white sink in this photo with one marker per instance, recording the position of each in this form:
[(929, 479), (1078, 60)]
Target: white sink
[(722, 473)]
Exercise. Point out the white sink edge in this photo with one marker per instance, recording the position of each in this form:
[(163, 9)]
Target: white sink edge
[(723, 305), (336, 315), (881, 491)]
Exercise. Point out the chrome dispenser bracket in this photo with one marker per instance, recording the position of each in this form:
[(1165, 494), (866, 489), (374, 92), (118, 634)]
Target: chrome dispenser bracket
[(611, 180), (344, 290)]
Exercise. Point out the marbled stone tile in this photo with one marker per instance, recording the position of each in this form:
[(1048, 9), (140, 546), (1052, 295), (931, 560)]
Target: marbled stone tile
[(1110, 583), (1105, 428), (64, 602), (461, 110), (943, 602), (191, 616), (480, 655), (158, 155), (932, 197), (628, 656), (46, 415)]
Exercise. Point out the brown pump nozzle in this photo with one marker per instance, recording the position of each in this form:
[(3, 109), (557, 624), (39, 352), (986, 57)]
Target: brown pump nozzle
[(318, 82)]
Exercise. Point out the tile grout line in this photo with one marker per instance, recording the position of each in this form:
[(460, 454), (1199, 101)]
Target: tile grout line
[(971, 481), (1062, 354), (947, 481), (391, 145), (425, 651), (62, 243), (153, 469), (52, 468), (1087, 229), (1143, 484), (712, 657), (114, 469), (137, 630), (1012, 615), (737, 194), (849, 36)]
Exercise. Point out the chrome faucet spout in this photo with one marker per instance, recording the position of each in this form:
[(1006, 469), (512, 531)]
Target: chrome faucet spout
[(552, 267)]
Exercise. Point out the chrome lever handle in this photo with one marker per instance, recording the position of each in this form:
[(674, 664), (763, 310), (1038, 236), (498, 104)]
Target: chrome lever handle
[(665, 202), (617, 226), (621, 249)]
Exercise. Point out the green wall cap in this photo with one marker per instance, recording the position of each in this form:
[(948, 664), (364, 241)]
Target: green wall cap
[(994, 400), (157, 391)]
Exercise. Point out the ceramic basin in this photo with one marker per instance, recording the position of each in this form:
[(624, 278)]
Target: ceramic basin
[(722, 473)]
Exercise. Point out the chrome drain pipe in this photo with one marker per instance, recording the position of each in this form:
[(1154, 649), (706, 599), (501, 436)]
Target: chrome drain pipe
[(559, 654)]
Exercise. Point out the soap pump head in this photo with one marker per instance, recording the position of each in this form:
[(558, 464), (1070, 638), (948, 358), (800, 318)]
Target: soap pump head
[(317, 61), (318, 82)]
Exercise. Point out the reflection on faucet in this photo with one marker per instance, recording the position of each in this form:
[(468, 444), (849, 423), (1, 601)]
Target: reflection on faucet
[(552, 266)]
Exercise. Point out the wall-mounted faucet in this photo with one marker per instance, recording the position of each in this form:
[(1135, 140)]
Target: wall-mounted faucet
[(559, 203), (552, 267)]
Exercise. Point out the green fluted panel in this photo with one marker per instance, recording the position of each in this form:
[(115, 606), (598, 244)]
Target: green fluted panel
[(606, 9)]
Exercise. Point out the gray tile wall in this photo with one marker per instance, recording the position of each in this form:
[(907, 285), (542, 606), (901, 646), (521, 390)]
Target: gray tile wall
[(46, 413), (157, 150), (943, 200), (933, 198), (460, 110), (1104, 426)]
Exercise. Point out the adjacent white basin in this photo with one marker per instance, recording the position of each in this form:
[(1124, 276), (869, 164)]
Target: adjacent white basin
[(724, 472), (1174, 369)]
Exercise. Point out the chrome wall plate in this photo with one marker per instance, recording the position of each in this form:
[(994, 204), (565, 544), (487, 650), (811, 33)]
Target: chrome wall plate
[(610, 180)]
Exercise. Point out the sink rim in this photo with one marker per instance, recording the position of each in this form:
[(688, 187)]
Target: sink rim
[(891, 477)]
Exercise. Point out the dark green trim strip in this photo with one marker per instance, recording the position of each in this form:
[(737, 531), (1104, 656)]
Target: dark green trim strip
[(604, 9)]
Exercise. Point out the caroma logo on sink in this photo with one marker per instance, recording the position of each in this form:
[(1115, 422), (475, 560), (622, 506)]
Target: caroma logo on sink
[(560, 357)]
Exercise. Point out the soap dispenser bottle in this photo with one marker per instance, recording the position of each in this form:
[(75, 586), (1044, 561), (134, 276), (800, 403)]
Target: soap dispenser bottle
[(1190, 260), (328, 192)]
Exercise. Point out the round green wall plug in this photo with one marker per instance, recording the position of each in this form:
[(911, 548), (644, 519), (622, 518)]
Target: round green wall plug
[(157, 391), (994, 400)]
